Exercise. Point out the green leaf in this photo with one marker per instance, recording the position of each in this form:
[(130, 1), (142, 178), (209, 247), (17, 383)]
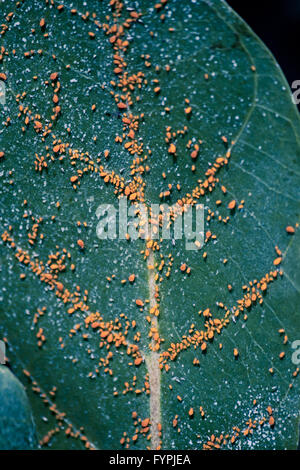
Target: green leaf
[(17, 430), (87, 348)]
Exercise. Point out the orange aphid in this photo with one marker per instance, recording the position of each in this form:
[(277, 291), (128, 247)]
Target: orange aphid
[(59, 286), (191, 412), (54, 76), (277, 261), (235, 352), (232, 204), (172, 149), (42, 23), (131, 278), (290, 229), (80, 243), (271, 421), (145, 422), (2, 154), (139, 303)]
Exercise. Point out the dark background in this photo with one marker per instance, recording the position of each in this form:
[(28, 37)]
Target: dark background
[(277, 23)]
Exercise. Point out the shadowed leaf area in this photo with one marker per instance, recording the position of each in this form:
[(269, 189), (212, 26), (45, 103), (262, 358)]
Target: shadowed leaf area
[(142, 343), (16, 423)]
